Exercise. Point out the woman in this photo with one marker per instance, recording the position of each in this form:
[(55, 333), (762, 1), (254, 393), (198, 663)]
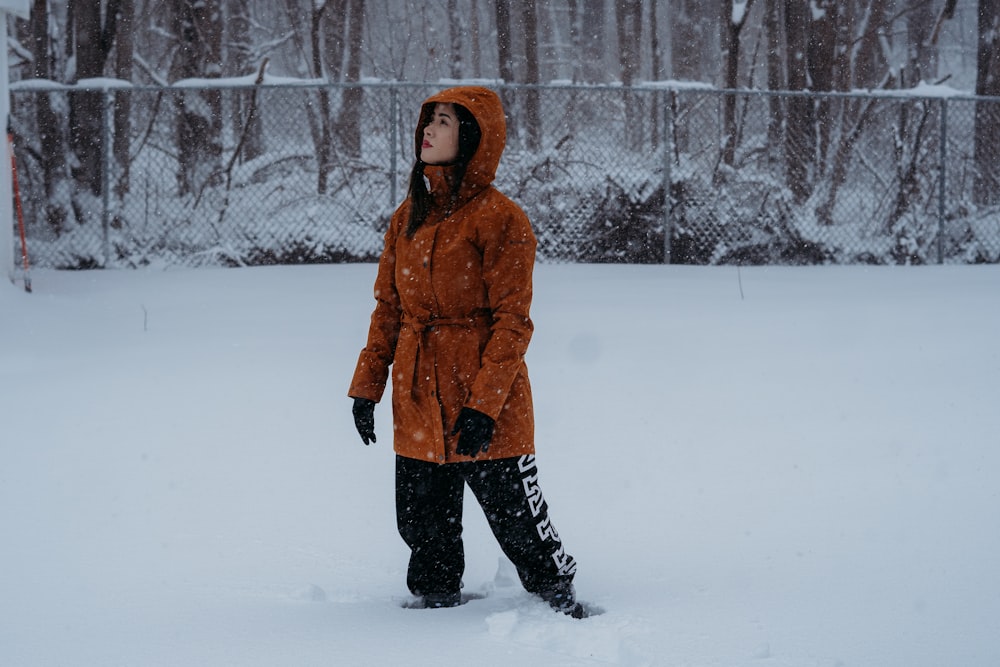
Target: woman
[(452, 298)]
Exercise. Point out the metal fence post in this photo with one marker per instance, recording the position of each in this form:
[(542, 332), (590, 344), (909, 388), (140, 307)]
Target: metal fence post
[(943, 172), (106, 134)]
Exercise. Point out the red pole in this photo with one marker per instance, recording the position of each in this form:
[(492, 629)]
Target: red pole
[(20, 214)]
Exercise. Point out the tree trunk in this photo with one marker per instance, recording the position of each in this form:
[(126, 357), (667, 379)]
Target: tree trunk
[(575, 40), (870, 60), (593, 41), (775, 77), (332, 53), (477, 57), (687, 32), (505, 55), (690, 38), (731, 52), (820, 60), (86, 112), (842, 157), (657, 74), (505, 61), (921, 61), (240, 62), (986, 183), (52, 148), (798, 130), (532, 104), (349, 124), (628, 21), (197, 26), (124, 52), (846, 47), (551, 41), (455, 28)]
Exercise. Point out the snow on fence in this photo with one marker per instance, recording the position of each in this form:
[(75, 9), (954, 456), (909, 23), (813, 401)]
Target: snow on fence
[(233, 173)]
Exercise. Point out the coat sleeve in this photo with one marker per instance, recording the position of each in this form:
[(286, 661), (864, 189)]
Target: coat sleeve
[(372, 370), (508, 262)]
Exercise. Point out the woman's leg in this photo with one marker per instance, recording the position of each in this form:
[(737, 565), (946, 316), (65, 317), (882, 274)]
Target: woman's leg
[(508, 491), (429, 519)]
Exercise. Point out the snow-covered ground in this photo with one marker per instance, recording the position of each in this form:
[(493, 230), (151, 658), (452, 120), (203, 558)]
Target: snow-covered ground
[(767, 467)]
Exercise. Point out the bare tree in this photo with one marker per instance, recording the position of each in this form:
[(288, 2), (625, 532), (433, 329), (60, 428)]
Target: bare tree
[(551, 43), (94, 36), (241, 59), (872, 24), (735, 18), (656, 70), (505, 60), (349, 125), (532, 104), (455, 30), (505, 51), (197, 27), (322, 129), (692, 38), (683, 33), (593, 41), (52, 146), (775, 75), (336, 40), (688, 27), (986, 184), (798, 144), (575, 39), (628, 22), (921, 50), (124, 53), (821, 59), (474, 31), (947, 13)]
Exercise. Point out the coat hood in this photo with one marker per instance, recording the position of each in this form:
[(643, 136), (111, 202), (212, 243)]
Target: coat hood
[(486, 108)]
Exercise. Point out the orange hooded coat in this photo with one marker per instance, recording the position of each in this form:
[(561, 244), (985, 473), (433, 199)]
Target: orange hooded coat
[(452, 302)]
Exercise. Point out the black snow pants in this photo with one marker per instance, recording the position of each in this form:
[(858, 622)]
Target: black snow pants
[(429, 517)]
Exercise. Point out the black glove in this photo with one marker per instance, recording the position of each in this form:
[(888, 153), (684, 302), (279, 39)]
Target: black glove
[(364, 418), (476, 429)]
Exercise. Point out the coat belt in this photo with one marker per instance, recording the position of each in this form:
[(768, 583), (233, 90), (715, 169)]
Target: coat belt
[(421, 326)]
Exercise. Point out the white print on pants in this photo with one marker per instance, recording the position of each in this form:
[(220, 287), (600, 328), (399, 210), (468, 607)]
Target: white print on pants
[(564, 563)]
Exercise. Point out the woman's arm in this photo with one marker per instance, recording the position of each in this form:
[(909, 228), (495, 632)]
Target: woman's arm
[(508, 263), (372, 370)]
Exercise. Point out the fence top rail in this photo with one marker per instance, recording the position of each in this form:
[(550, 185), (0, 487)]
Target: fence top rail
[(921, 92)]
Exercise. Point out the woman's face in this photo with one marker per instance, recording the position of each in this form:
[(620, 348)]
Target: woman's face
[(440, 144)]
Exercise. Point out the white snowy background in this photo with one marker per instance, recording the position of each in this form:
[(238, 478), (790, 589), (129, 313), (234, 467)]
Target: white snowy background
[(763, 467)]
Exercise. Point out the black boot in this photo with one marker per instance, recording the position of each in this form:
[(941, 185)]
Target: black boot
[(442, 600), (562, 598)]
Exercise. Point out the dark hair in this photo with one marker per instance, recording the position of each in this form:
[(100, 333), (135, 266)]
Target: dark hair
[(469, 135)]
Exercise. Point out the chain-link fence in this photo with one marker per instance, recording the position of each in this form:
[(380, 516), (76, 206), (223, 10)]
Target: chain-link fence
[(244, 175)]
